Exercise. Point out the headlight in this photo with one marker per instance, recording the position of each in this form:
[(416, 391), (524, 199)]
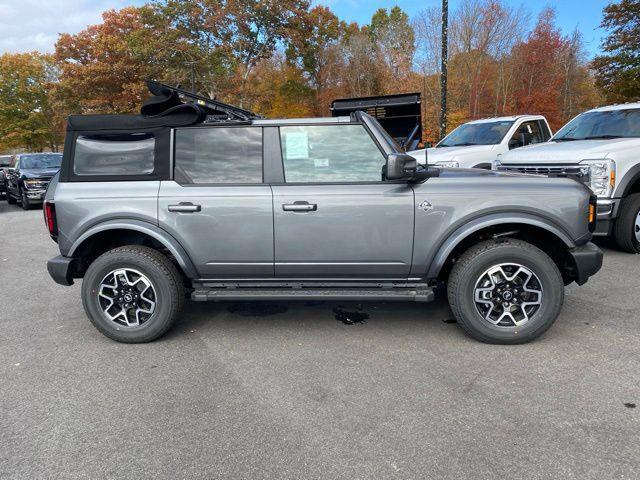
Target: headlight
[(448, 164), (602, 176)]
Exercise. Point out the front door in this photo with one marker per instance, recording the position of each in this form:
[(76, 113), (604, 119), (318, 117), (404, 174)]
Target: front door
[(217, 206), (334, 217)]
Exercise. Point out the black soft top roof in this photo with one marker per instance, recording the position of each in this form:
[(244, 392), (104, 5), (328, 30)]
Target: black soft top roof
[(168, 107), (124, 122)]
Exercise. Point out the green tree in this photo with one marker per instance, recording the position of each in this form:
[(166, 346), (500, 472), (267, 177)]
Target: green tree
[(392, 34), (27, 119), (618, 69)]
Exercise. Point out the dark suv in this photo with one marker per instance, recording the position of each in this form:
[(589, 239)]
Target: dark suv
[(5, 163), (202, 200), (29, 176)]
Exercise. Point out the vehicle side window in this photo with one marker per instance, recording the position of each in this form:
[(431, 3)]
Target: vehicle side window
[(330, 153), (544, 128), (128, 154), (531, 131), (215, 155)]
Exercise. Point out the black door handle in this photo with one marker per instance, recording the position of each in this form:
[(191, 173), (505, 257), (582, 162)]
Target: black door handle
[(300, 206), (184, 207)]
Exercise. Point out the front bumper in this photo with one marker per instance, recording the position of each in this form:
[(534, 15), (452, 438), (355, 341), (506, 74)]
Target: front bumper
[(35, 196), (61, 269), (607, 213), (587, 260)]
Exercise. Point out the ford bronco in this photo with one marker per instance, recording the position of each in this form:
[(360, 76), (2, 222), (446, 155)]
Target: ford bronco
[(197, 199)]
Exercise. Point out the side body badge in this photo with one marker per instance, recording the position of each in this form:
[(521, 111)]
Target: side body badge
[(425, 206)]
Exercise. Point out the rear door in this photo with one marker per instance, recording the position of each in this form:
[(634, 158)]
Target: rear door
[(334, 216), (217, 205)]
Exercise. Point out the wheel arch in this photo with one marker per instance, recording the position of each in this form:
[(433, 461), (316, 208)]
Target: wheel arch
[(104, 236), (546, 236), (630, 183)]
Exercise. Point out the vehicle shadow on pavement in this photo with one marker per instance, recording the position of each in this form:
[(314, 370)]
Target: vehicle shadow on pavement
[(302, 315)]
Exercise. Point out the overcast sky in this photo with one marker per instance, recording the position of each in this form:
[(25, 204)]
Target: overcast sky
[(27, 25)]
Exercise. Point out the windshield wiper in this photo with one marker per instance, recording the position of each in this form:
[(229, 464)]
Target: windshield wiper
[(464, 144), (565, 139), (602, 137)]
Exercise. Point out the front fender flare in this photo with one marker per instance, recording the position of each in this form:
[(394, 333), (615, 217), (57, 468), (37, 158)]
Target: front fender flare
[(148, 229), (488, 221)]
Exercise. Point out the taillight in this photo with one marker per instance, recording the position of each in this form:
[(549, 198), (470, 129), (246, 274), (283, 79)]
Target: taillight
[(50, 218)]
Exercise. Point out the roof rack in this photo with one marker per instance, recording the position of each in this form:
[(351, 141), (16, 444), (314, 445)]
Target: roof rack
[(216, 111)]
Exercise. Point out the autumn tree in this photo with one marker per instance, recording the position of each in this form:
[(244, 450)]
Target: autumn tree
[(103, 67), (538, 77), (618, 69), (313, 46), (360, 63), (27, 118)]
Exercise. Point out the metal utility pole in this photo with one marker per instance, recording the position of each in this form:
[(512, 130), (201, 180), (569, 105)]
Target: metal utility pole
[(443, 68)]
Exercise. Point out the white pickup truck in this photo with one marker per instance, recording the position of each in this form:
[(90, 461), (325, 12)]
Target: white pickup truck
[(478, 143), (601, 148)]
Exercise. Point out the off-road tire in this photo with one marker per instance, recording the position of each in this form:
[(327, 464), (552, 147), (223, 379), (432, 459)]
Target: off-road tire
[(163, 274), (625, 224), (475, 261)]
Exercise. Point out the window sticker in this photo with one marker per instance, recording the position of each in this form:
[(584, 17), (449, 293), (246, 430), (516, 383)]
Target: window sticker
[(297, 145), (321, 162)]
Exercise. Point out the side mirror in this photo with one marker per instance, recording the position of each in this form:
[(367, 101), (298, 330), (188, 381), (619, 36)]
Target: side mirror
[(401, 166)]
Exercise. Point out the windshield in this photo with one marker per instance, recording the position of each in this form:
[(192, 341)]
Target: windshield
[(44, 161), (601, 125), (485, 133)]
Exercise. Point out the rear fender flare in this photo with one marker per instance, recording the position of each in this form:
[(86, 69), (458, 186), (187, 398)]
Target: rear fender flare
[(153, 231), (478, 224)]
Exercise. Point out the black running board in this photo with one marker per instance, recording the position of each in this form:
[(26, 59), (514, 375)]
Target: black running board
[(412, 294)]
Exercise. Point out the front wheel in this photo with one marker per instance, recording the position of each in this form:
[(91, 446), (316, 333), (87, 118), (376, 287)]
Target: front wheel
[(25, 201), (505, 291), (627, 227), (132, 294)]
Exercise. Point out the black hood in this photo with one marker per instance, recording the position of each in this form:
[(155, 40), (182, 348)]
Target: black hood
[(45, 173)]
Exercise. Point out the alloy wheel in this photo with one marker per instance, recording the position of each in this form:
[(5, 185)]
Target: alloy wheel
[(127, 297), (508, 295)]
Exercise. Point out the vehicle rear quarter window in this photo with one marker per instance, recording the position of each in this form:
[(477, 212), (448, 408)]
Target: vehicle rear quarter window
[(330, 153), (218, 155), (114, 155)]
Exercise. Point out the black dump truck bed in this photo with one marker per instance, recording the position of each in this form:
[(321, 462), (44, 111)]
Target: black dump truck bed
[(400, 114)]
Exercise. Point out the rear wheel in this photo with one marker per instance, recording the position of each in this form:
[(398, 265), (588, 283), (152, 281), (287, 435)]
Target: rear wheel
[(627, 227), (505, 291), (133, 294), (10, 199)]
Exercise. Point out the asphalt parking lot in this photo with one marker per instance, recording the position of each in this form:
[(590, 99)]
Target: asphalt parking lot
[(289, 391)]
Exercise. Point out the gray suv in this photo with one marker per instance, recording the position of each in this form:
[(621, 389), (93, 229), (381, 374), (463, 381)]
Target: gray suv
[(196, 199)]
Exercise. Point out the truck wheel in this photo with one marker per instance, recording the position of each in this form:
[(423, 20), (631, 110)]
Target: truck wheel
[(25, 201), (626, 230), (505, 291), (132, 294)]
